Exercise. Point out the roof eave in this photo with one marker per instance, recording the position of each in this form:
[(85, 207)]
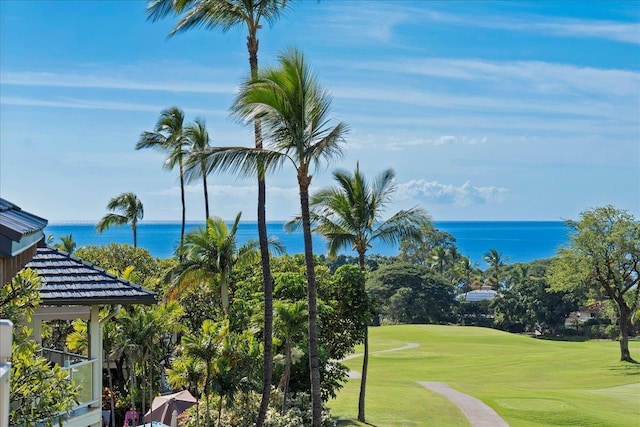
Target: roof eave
[(99, 301)]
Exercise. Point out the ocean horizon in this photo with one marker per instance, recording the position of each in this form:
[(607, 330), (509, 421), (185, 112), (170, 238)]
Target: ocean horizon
[(518, 241)]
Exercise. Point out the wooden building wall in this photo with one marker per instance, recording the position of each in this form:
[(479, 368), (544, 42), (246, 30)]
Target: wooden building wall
[(10, 266)]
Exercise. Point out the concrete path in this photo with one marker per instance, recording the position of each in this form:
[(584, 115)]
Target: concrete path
[(478, 413)]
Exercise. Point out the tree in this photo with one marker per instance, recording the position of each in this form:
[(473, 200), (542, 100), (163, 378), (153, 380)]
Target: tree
[(294, 108), (208, 256), (227, 14), (418, 251), (66, 244), (168, 137), (412, 293), (529, 304), (119, 257), (39, 392), (497, 264), (204, 347), (349, 216), (131, 211), (290, 322), (198, 137), (604, 253)]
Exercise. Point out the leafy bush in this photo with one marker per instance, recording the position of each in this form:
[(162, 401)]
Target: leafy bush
[(244, 412)]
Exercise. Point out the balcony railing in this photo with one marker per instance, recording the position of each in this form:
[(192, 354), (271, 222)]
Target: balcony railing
[(80, 371)]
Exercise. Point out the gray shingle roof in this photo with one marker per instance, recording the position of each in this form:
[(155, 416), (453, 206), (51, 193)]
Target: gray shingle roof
[(17, 225), (67, 280)]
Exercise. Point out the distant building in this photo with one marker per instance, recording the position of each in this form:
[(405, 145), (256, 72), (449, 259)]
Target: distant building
[(482, 294), (584, 314)]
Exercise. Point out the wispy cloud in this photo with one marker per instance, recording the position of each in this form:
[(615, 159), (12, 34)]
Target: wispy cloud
[(248, 192), (78, 80), (578, 28), (395, 145), (449, 194), (531, 76), (75, 103), (378, 21)]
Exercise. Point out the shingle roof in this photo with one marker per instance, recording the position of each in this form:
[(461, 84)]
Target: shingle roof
[(485, 293), (15, 225), (67, 280)]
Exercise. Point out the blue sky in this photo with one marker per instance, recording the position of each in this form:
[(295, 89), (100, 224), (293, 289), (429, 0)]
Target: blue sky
[(485, 110)]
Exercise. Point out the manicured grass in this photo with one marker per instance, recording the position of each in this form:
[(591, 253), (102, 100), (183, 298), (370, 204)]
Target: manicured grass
[(529, 382)]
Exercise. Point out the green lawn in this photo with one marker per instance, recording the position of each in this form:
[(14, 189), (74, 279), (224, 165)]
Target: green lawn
[(528, 381)]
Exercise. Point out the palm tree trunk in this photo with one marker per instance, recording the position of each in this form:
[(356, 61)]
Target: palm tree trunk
[(206, 194), (135, 235), (314, 365), (207, 415), (112, 403), (286, 375), (144, 406), (267, 283), (365, 359), (132, 380), (184, 209), (219, 410)]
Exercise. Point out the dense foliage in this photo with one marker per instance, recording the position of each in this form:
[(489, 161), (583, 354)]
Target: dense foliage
[(39, 393)]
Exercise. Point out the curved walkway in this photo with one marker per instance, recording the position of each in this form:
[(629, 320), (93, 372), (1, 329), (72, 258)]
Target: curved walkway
[(477, 412)]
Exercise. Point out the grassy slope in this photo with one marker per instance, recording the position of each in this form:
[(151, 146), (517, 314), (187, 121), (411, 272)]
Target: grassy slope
[(529, 382)]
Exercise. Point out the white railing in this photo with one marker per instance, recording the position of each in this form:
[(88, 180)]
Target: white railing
[(80, 371), (82, 375)]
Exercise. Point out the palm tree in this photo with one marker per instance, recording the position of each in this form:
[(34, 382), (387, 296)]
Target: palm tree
[(66, 244), (496, 262), (187, 372), (227, 14), (290, 321), (295, 111), (208, 256), (168, 137), (439, 258), (198, 136), (204, 347), (349, 217), (131, 211)]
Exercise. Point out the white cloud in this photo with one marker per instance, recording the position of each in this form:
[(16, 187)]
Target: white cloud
[(625, 32), (449, 194), (529, 76), (75, 103), (83, 80), (377, 21), (396, 144)]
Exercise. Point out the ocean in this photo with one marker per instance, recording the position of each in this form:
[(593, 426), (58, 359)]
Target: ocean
[(518, 241)]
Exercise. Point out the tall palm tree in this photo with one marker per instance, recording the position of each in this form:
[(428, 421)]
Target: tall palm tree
[(168, 137), (294, 108), (227, 14), (349, 216), (131, 211), (198, 137)]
